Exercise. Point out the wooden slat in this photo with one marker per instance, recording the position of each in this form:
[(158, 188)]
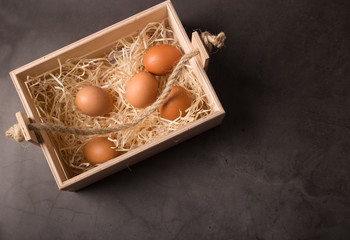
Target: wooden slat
[(94, 42), (59, 170), (203, 57), (181, 34), (136, 155), (23, 122)]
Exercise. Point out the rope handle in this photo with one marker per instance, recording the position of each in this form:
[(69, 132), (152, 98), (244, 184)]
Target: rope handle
[(20, 133)]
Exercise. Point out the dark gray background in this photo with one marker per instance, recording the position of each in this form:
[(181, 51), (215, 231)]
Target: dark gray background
[(277, 168)]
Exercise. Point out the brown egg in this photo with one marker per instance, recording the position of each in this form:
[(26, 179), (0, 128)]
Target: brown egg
[(93, 101), (178, 100), (98, 150), (161, 59), (142, 89)]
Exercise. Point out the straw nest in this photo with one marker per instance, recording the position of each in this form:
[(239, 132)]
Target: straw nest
[(54, 96)]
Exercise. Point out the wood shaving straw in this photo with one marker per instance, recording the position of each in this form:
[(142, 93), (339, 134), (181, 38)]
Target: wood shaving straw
[(54, 96)]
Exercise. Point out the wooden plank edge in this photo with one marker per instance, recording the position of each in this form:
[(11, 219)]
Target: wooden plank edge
[(90, 37)]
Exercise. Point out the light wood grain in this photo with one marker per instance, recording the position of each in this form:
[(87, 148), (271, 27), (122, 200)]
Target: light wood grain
[(203, 57), (29, 135), (99, 44)]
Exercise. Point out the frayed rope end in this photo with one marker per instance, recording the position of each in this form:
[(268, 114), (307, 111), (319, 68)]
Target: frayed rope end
[(211, 40), (15, 133)]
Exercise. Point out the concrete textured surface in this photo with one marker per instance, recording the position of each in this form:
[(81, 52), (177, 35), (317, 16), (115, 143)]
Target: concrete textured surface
[(277, 168)]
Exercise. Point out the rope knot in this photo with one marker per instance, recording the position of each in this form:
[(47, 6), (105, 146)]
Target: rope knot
[(211, 40), (15, 133)]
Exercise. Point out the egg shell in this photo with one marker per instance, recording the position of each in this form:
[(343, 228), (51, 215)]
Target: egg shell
[(179, 99), (161, 59), (142, 89), (98, 150), (94, 101)]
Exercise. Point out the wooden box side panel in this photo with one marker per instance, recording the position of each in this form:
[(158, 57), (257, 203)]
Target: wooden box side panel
[(59, 170), (96, 42), (142, 153), (185, 43)]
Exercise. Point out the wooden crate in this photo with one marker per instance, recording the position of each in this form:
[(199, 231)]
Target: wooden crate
[(97, 45)]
